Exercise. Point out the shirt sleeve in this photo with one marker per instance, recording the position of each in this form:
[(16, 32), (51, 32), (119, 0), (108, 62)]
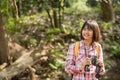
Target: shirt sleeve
[(70, 60), (101, 55)]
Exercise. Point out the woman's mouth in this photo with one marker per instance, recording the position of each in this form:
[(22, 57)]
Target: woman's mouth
[(86, 35)]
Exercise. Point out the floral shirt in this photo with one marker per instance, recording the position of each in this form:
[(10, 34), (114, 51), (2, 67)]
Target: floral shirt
[(73, 63)]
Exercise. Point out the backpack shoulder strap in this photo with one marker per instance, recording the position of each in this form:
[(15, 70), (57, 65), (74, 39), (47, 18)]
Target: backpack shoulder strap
[(97, 49), (77, 44), (76, 48)]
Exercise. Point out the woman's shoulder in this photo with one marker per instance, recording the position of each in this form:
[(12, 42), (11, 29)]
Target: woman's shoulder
[(72, 45), (97, 44)]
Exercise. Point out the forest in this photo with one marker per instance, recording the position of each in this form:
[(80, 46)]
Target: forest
[(35, 36)]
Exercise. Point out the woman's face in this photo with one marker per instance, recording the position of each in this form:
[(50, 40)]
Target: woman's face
[(87, 33)]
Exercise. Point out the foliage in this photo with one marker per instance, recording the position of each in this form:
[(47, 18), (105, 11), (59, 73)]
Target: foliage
[(115, 49), (116, 2), (28, 43), (92, 3), (116, 8), (57, 58), (52, 31), (55, 64), (29, 7), (11, 26), (4, 7), (15, 26), (106, 25), (112, 39), (81, 6), (32, 41), (73, 28)]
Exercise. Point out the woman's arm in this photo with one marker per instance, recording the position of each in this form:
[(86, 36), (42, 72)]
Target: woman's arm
[(100, 61), (70, 60)]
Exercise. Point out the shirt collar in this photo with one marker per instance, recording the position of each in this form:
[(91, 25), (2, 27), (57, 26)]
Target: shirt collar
[(93, 45)]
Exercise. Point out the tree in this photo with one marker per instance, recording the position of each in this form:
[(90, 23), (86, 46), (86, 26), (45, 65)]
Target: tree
[(57, 7), (3, 43), (107, 10), (13, 8)]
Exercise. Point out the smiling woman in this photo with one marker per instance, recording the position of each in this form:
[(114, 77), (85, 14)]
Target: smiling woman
[(91, 28), (90, 55)]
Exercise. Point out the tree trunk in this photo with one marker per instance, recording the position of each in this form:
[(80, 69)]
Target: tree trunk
[(55, 18), (3, 43), (60, 16), (16, 8), (107, 10), (51, 21), (13, 8), (19, 3)]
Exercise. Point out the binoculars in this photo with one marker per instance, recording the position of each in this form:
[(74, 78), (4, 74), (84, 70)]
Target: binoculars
[(94, 61)]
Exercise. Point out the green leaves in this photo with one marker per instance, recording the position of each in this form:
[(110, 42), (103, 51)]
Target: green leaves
[(115, 49), (4, 8), (52, 31)]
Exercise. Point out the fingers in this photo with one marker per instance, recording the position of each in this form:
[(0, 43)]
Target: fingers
[(88, 61), (102, 72), (100, 63)]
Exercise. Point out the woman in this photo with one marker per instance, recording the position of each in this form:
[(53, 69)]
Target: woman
[(82, 66)]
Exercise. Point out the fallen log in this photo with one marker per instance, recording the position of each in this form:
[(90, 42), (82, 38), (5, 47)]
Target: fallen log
[(17, 67), (23, 62)]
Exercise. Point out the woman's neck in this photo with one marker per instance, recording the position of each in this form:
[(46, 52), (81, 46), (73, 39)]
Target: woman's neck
[(87, 43)]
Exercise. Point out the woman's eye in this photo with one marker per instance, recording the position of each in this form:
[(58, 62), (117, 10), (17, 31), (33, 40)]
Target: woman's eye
[(90, 29), (85, 29)]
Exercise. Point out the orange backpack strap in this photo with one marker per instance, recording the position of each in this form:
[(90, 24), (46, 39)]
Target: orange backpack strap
[(97, 49), (76, 49), (77, 44)]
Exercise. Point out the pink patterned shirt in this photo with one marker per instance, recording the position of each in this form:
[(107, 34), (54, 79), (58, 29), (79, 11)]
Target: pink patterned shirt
[(73, 63)]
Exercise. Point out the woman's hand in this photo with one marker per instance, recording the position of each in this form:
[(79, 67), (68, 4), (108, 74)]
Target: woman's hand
[(102, 71), (88, 61), (100, 63)]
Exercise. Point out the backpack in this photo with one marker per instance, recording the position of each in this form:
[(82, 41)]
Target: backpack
[(77, 46)]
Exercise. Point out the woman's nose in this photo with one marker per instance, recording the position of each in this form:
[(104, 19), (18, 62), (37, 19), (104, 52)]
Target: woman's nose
[(86, 31)]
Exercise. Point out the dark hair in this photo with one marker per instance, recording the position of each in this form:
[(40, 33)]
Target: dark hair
[(93, 25)]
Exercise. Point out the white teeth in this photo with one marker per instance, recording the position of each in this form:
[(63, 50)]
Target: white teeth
[(86, 35)]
